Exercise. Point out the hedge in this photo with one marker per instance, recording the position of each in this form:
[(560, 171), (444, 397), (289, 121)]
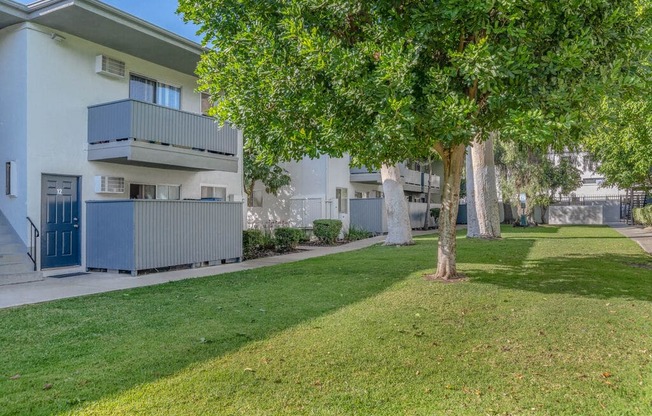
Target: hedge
[(643, 215), (287, 238), (327, 230), (252, 241)]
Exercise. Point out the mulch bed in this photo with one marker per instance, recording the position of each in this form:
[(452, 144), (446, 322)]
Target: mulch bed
[(316, 243)]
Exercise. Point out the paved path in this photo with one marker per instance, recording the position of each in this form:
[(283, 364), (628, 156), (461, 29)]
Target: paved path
[(68, 287), (643, 236)]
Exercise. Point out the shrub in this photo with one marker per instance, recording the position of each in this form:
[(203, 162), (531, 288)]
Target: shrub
[(434, 213), (327, 230), (252, 241), (286, 238), (643, 215), (269, 243), (355, 234)]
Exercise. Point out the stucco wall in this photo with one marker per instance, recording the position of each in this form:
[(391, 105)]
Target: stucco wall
[(13, 123), (575, 215), (312, 180)]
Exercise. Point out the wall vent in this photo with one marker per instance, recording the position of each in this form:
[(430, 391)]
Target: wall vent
[(109, 66), (109, 185)]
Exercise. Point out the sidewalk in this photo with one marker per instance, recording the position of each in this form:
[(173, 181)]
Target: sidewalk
[(642, 236), (69, 287)]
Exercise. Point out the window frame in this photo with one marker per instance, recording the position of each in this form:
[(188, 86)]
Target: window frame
[(156, 190), (342, 208), (157, 84), (8, 174), (214, 187)]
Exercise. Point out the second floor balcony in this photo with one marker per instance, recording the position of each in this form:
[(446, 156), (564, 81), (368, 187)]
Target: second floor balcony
[(138, 133), (412, 180)]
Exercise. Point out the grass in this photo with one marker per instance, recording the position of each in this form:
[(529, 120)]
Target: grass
[(552, 321)]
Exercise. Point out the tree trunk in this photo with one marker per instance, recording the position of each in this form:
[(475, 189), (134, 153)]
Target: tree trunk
[(486, 192), (453, 159), (399, 231), (544, 210), (529, 212), (426, 222), (472, 226), (249, 190)]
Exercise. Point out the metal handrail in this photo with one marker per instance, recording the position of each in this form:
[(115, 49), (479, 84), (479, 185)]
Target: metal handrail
[(33, 236)]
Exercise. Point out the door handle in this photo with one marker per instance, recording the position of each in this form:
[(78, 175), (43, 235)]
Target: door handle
[(76, 225)]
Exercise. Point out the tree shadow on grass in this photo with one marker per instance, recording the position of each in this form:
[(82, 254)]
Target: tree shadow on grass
[(75, 351), (539, 229), (601, 276), (560, 264), (561, 232), (504, 252)]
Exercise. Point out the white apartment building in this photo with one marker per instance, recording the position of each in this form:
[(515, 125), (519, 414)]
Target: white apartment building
[(100, 107)]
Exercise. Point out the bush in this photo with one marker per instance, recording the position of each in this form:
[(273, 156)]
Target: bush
[(252, 241), (269, 243), (643, 215), (327, 230), (434, 213), (286, 238), (355, 234)]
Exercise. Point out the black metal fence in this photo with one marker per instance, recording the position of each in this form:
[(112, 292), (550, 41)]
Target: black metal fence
[(629, 202)]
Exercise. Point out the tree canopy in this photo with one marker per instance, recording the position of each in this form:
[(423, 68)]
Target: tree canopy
[(621, 143), (538, 173), (272, 176), (390, 80)]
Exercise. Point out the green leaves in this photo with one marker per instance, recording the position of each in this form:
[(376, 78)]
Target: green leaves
[(536, 171), (621, 141), (386, 81)]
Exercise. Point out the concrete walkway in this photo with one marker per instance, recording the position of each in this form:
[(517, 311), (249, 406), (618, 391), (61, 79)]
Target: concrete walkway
[(642, 236), (69, 287)]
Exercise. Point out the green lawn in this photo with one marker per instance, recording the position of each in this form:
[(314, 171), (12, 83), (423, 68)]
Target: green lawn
[(552, 321)]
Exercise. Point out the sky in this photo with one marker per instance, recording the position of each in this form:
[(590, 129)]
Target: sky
[(158, 12)]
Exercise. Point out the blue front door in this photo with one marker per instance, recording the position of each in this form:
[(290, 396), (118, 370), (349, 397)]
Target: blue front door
[(60, 236)]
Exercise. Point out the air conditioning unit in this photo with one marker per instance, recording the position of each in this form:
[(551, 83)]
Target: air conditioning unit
[(109, 185), (109, 67)]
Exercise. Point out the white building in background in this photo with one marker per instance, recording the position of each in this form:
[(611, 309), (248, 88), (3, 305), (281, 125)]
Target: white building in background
[(324, 188), (96, 104), (592, 180)]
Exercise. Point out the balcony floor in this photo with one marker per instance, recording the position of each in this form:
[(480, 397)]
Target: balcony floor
[(140, 153)]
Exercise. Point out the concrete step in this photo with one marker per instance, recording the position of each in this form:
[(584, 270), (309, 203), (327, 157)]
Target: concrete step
[(8, 238), (15, 268), (13, 248), (11, 258), (11, 279)]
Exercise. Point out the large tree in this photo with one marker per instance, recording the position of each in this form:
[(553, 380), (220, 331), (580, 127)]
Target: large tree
[(621, 142), (483, 216), (390, 80), (539, 173)]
